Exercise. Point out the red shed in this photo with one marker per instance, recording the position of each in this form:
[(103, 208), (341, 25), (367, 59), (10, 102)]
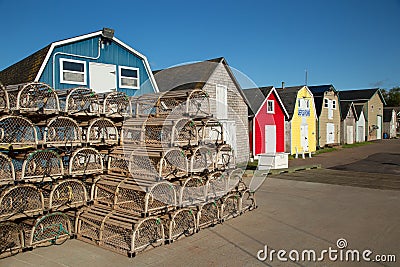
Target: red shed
[(266, 120)]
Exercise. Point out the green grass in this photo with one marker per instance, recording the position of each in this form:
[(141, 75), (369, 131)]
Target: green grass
[(252, 165), (325, 150), (356, 144)]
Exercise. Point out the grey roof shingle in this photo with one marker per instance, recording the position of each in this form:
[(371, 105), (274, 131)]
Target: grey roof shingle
[(288, 96), (360, 95), (255, 98)]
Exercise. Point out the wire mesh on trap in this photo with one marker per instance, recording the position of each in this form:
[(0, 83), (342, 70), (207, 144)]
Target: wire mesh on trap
[(84, 161), (42, 165), (11, 238), (7, 173), (17, 132), (62, 131), (82, 101), (20, 201), (36, 96), (66, 194), (102, 131), (117, 104)]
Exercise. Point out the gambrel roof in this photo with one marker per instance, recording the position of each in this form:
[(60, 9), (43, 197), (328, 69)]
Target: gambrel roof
[(31, 68)]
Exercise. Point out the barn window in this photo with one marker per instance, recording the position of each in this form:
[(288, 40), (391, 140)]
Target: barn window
[(72, 71), (128, 77), (326, 103), (270, 106)]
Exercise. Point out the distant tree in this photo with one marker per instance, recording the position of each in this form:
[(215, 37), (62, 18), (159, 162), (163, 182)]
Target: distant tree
[(392, 97)]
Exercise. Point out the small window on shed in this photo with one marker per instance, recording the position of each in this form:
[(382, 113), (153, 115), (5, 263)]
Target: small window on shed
[(270, 106), (128, 77), (334, 104), (72, 71), (326, 103)]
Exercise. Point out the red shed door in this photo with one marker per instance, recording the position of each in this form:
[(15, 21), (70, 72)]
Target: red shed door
[(270, 139)]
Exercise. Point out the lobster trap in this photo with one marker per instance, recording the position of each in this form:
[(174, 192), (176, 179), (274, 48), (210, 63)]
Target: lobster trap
[(65, 194), (38, 98), (85, 161), (201, 159), (153, 131), (62, 131), (168, 164), (180, 223), (217, 185), (117, 104), (17, 132), (49, 229), (4, 99), (248, 200), (208, 215), (102, 131), (82, 101), (124, 233), (7, 172), (42, 165), (231, 206), (20, 201), (225, 158), (192, 191), (210, 131), (11, 239), (142, 195)]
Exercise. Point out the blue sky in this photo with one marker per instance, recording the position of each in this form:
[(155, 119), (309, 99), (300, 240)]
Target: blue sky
[(349, 43)]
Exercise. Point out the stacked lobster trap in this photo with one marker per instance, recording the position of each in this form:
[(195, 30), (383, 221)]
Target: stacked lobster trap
[(126, 174)]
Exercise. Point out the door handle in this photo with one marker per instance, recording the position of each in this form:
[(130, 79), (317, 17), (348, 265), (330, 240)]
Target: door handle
[(112, 72)]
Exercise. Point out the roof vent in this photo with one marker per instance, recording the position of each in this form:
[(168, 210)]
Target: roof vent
[(108, 33)]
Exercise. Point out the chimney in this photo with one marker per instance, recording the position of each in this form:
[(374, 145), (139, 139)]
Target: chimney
[(283, 85)]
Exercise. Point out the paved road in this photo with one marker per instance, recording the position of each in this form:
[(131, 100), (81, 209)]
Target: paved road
[(292, 214)]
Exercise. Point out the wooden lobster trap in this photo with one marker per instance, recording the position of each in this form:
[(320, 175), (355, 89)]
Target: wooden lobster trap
[(208, 214), (210, 131), (124, 233), (62, 131), (248, 200), (4, 100), (141, 194), (192, 191), (49, 229), (201, 159), (42, 165), (17, 132), (37, 97), (11, 239), (65, 194), (20, 201), (217, 185), (118, 161), (231, 206), (117, 104), (144, 105), (7, 172), (154, 131), (225, 158), (168, 164), (180, 223), (102, 131), (81, 101), (85, 161)]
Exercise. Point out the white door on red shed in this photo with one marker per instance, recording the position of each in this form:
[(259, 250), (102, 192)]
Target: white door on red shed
[(102, 77), (270, 139), (330, 133)]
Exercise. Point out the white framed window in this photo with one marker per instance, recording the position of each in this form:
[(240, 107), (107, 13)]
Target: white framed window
[(128, 77), (270, 106), (221, 101), (326, 103), (334, 104), (73, 71)]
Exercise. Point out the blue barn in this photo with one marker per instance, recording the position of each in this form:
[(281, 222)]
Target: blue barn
[(96, 60)]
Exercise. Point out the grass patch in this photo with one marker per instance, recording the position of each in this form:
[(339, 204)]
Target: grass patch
[(252, 165), (325, 150), (356, 144)]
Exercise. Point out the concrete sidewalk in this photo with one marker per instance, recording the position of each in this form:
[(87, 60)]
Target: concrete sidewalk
[(349, 155), (291, 215)]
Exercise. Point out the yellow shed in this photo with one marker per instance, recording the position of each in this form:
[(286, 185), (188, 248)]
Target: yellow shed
[(300, 127)]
